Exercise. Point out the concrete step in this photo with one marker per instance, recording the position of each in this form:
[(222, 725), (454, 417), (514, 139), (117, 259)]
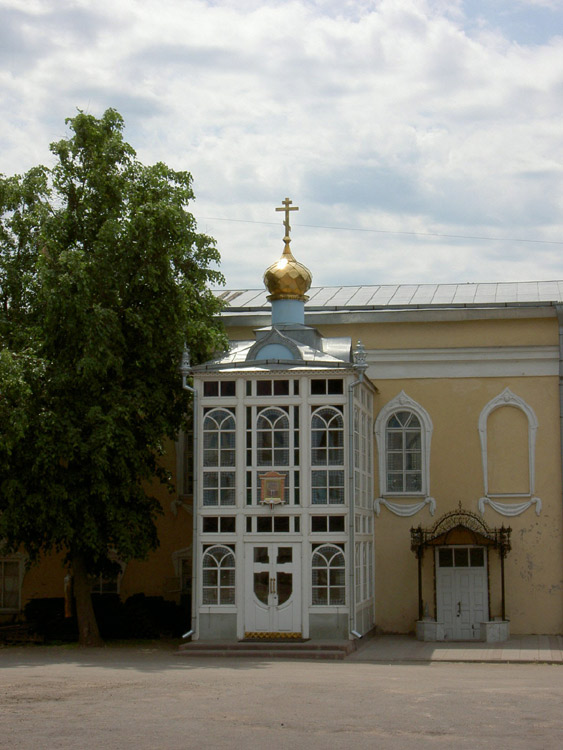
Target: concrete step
[(270, 649), (265, 653)]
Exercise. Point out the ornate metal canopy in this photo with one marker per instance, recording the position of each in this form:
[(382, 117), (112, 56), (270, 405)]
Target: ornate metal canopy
[(450, 526)]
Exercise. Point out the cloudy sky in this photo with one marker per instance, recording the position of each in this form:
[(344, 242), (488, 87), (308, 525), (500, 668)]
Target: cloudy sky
[(421, 139)]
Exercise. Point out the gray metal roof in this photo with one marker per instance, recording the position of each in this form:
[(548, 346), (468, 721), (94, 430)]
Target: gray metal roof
[(407, 295)]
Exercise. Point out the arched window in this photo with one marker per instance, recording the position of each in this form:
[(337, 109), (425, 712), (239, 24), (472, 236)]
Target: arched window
[(403, 451), (218, 576), (329, 576), (403, 430), (327, 456), (219, 457), (219, 438), (272, 435)]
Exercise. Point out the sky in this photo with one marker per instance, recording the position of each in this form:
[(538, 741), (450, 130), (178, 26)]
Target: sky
[(422, 140)]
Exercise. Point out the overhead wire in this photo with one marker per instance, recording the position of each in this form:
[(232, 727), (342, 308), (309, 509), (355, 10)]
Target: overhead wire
[(390, 231)]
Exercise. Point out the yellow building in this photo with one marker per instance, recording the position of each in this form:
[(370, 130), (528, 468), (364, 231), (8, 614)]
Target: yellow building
[(412, 482)]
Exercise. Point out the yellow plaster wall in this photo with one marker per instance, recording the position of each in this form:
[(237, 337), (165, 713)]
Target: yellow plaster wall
[(150, 576), (534, 589), (428, 335)]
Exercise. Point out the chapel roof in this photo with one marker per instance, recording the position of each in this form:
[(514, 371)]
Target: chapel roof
[(405, 296)]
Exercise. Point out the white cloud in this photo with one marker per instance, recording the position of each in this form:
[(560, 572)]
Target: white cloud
[(399, 115)]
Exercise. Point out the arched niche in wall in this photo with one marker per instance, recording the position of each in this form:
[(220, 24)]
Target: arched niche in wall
[(507, 430)]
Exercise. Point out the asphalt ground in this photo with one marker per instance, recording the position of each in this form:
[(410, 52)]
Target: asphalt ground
[(147, 696)]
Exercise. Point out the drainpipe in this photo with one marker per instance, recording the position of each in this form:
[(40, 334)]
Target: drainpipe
[(559, 311), (185, 369), (360, 366)]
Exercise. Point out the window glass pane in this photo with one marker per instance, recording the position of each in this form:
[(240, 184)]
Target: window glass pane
[(318, 523), (284, 586), (261, 555), (335, 386), (461, 557), (413, 441), (211, 388), (210, 577), (395, 461), (227, 388), (413, 461), (264, 388), (413, 483), (210, 525), (228, 524), (445, 558), (320, 596), (281, 524), (261, 586), (210, 595), (281, 387), (264, 524), (394, 440), (394, 482), (320, 577), (337, 596), (477, 557), (285, 555), (336, 523)]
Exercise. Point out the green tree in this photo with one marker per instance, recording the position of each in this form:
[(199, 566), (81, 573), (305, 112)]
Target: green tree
[(103, 280)]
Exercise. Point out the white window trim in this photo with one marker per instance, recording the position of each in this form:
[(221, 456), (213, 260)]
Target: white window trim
[(497, 500), (403, 402)]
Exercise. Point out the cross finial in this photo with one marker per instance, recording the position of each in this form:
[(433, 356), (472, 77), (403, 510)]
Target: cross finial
[(287, 207)]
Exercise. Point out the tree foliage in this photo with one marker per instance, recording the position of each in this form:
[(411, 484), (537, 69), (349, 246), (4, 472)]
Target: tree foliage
[(103, 279)]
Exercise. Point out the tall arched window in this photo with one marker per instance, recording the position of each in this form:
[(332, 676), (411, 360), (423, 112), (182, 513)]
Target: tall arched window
[(403, 449), (329, 576), (327, 456), (272, 435), (219, 457), (403, 430), (218, 566)]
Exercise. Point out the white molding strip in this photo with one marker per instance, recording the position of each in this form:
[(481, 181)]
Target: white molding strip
[(510, 509), (463, 362), (404, 509)]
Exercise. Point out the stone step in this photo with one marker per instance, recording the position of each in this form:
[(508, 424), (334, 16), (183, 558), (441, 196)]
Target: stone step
[(269, 649), (292, 653)]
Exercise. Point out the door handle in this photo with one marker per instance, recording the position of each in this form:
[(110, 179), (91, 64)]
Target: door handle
[(272, 585), (459, 609)]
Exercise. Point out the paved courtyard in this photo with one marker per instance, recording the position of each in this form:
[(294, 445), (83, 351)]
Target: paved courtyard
[(146, 696)]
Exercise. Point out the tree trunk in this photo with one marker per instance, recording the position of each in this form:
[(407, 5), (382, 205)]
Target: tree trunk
[(88, 633)]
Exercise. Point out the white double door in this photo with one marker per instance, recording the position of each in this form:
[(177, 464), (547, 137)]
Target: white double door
[(461, 591), (273, 588)]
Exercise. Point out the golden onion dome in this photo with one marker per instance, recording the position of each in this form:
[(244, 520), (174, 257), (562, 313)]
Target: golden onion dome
[(287, 278)]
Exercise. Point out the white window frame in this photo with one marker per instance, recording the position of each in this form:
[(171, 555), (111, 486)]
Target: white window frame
[(403, 402), (218, 587), (223, 474), (329, 470), (335, 551)]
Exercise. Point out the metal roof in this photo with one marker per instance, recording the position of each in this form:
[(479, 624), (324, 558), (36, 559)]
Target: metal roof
[(406, 295)]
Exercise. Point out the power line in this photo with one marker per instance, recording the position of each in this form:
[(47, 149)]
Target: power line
[(389, 231)]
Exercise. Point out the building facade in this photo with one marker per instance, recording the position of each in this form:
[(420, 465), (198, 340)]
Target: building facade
[(410, 482)]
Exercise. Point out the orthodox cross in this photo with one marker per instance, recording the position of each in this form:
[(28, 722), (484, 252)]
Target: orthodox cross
[(287, 207)]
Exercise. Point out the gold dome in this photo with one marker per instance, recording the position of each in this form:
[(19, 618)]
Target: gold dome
[(287, 278)]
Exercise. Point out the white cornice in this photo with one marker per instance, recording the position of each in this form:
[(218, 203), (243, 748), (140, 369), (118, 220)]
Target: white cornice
[(463, 362)]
